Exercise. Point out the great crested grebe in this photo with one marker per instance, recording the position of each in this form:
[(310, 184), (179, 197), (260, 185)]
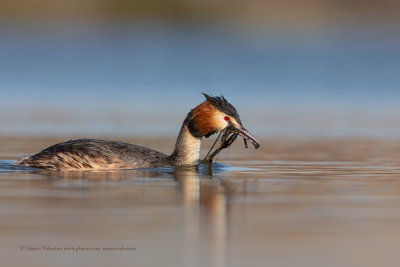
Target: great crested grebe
[(211, 116)]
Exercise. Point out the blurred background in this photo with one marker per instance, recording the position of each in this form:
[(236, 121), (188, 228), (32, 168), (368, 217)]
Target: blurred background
[(304, 68)]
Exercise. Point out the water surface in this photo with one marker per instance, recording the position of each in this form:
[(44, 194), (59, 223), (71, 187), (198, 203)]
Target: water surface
[(293, 202)]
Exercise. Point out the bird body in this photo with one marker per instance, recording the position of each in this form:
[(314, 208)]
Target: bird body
[(96, 154), (211, 116)]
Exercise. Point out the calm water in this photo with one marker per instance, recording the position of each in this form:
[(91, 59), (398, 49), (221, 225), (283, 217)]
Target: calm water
[(293, 202)]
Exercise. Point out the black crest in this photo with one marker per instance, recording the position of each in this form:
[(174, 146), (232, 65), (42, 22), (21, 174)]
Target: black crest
[(220, 103)]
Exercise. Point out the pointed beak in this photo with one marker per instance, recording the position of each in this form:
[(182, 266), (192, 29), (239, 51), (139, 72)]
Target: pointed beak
[(245, 134)]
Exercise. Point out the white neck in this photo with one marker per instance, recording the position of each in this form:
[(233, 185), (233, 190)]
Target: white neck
[(187, 148)]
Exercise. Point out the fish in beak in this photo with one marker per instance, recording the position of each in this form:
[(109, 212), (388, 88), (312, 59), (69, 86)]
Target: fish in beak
[(240, 130)]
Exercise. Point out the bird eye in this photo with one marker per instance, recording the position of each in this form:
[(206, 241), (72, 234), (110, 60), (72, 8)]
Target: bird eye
[(226, 118)]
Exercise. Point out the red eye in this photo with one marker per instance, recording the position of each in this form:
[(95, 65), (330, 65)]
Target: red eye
[(226, 118)]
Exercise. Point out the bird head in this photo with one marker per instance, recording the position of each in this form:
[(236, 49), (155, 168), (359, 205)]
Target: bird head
[(214, 115)]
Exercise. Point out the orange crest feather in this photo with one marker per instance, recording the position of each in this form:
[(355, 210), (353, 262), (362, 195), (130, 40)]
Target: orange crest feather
[(205, 119)]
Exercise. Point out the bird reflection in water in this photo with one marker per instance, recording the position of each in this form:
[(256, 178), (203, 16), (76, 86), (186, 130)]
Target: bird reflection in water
[(205, 217), (204, 203)]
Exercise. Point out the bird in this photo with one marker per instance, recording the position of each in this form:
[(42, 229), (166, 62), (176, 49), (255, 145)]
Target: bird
[(211, 116)]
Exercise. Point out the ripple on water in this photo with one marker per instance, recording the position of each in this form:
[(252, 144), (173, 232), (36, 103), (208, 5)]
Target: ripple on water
[(8, 166)]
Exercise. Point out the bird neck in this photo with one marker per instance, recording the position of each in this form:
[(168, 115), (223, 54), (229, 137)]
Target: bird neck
[(187, 148)]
